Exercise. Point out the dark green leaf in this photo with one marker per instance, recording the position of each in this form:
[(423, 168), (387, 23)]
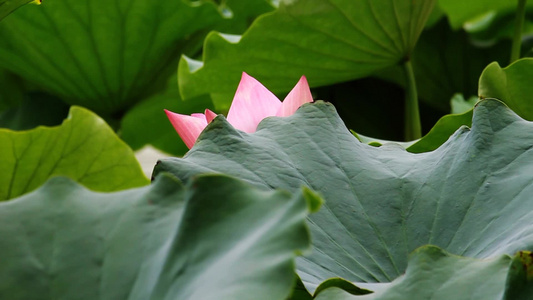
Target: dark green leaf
[(8, 6), (35, 110), (100, 54), (11, 90), (327, 41)]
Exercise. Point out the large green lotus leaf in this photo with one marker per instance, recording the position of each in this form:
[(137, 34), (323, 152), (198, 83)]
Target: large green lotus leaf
[(511, 84), (459, 11), (445, 62), (471, 196), (99, 54), (8, 6), (219, 238), (83, 148), (327, 41), (434, 274)]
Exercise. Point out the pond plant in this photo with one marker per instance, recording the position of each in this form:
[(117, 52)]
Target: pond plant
[(398, 166)]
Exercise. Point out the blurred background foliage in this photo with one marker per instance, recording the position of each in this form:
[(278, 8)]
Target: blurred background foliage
[(120, 60)]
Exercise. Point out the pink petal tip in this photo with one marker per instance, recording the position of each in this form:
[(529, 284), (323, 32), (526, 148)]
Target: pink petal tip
[(188, 127), (251, 104), (209, 115), (299, 95)]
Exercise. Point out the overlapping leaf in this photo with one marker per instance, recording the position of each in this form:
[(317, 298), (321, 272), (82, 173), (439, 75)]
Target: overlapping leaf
[(441, 132), (470, 197), (459, 11), (435, 274), (511, 84), (159, 242), (328, 41), (437, 136), (100, 54), (83, 148)]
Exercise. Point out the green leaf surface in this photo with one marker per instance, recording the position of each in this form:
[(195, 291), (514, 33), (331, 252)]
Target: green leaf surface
[(9, 6), (459, 11), (146, 123), (434, 274), (511, 85), (83, 148), (35, 109), (11, 90), (327, 41), (161, 242), (240, 14), (99, 54), (460, 105), (494, 27), (471, 196)]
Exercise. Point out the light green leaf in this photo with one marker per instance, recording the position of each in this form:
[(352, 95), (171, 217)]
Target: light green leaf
[(434, 274), (511, 84), (158, 242), (379, 142), (100, 54), (471, 196), (8, 6), (460, 105), (83, 148), (327, 41)]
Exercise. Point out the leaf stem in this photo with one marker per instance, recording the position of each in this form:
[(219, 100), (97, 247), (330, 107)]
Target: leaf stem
[(519, 23), (413, 129)]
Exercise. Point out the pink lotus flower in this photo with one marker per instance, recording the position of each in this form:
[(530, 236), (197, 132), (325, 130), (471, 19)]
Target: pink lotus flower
[(251, 104)]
